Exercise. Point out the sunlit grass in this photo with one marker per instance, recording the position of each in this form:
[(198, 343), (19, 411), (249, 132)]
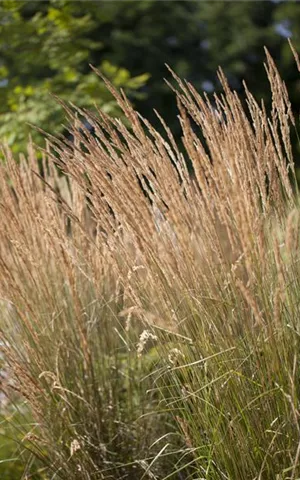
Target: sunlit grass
[(150, 317)]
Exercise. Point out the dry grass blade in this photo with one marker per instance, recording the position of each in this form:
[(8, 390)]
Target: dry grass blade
[(128, 267)]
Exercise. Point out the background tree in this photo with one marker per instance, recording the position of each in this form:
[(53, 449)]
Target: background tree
[(48, 46)]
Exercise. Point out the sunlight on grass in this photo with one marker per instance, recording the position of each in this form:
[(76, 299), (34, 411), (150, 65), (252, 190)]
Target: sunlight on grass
[(150, 316)]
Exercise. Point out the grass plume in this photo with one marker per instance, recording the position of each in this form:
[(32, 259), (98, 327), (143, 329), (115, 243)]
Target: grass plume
[(150, 315)]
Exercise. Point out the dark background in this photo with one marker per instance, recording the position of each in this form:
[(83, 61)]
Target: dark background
[(47, 46)]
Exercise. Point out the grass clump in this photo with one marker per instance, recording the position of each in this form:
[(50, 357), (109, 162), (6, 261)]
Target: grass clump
[(150, 316)]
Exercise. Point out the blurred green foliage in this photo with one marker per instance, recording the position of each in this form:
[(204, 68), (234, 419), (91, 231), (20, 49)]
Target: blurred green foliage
[(47, 46), (16, 459)]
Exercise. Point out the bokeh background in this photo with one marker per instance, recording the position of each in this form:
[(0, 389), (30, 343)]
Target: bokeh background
[(47, 47)]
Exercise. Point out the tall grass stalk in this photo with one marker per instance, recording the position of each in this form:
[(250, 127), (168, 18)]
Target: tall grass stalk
[(150, 316)]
